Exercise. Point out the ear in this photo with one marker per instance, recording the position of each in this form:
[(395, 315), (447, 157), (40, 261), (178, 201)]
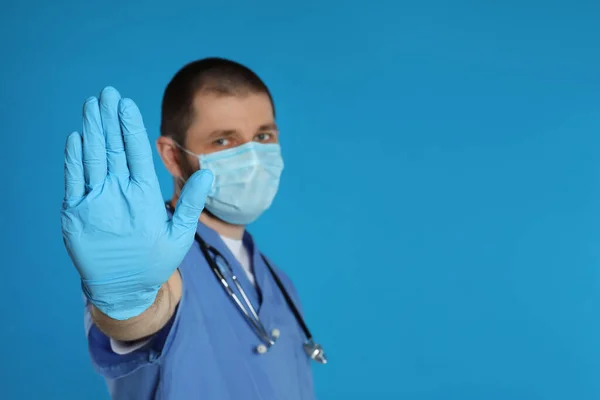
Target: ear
[(170, 156)]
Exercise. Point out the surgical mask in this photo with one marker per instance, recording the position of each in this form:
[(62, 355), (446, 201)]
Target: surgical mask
[(246, 180)]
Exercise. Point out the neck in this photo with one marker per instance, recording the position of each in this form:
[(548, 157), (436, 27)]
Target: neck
[(221, 227)]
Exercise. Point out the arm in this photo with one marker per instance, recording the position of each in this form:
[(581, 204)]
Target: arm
[(150, 321)]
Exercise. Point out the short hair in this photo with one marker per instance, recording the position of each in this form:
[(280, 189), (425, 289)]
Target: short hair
[(211, 75)]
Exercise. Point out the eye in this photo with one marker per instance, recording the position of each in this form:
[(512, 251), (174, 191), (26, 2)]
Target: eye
[(264, 137), (221, 142)]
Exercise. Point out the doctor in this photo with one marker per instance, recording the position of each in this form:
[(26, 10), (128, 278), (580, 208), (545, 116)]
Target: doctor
[(180, 302)]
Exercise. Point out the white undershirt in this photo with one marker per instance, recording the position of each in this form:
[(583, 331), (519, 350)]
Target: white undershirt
[(239, 251)]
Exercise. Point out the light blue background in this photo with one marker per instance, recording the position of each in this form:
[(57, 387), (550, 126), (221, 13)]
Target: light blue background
[(439, 211)]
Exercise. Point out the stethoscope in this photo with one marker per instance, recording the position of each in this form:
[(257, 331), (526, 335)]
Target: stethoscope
[(312, 349)]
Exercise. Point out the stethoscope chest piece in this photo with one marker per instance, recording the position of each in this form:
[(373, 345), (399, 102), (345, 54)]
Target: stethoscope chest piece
[(315, 351)]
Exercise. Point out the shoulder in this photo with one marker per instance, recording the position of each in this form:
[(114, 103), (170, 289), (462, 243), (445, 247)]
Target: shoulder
[(281, 274), (286, 281)]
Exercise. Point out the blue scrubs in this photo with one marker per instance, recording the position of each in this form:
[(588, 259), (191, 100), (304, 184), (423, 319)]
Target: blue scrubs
[(207, 351)]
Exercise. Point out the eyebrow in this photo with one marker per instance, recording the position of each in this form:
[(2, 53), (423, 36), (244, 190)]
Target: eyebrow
[(221, 133), (269, 127), (229, 132)]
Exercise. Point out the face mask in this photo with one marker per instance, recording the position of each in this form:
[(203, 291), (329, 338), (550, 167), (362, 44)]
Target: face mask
[(246, 180)]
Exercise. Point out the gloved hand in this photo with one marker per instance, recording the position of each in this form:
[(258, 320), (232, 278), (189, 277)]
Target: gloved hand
[(115, 226)]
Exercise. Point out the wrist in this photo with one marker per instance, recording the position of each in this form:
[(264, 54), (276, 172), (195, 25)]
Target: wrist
[(121, 307), (138, 327)]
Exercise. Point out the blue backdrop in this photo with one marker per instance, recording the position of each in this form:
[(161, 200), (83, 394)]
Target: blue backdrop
[(439, 212)]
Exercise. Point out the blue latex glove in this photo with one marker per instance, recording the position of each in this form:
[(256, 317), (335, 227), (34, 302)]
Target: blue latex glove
[(115, 226)]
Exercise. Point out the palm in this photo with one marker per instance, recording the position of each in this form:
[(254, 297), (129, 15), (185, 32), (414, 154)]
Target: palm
[(114, 222), (121, 216)]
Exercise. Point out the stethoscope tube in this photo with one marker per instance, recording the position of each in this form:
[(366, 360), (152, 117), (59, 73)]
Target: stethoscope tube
[(253, 319), (312, 349)]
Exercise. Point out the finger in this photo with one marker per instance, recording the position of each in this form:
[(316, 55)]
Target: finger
[(94, 148), (191, 202), (137, 145), (74, 177), (115, 150)]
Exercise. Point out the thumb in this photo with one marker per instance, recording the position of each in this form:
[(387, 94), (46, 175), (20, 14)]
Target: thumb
[(191, 201)]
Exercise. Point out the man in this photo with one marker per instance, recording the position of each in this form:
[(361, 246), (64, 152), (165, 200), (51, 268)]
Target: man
[(160, 322)]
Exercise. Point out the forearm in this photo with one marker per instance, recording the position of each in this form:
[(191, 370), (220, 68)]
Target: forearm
[(147, 323)]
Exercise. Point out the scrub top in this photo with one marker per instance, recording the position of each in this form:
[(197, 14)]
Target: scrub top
[(208, 350)]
